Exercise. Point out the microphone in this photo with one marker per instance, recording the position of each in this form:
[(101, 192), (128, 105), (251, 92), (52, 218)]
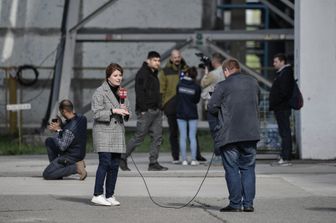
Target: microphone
[(122, 94)]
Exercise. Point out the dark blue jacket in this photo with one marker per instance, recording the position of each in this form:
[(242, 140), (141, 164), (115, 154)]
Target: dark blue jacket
[(188, 95), (78, 126)]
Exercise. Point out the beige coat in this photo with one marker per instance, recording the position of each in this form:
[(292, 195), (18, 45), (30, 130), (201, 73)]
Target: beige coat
[(108, 132)]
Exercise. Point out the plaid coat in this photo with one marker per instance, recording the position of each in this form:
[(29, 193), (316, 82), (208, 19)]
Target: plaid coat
[(108, 130)]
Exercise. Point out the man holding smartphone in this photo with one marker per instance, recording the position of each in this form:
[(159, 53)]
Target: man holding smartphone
[(66, 150)]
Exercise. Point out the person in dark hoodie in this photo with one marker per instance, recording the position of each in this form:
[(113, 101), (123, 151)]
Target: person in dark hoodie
[(148, 111), (188, 94), (169, 77), (281, 92)]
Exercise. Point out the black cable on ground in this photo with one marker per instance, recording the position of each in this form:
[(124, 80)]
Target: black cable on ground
[(173, 207)]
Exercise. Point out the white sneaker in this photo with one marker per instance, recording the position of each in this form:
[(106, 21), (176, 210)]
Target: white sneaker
[(281, 161), (100, 200), (176, 162), (194, 163), (113, 201), (285, 163), (185, 163)]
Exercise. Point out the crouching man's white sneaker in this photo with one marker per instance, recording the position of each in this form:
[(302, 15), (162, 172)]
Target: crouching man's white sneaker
[(100, 200), (113, 201)]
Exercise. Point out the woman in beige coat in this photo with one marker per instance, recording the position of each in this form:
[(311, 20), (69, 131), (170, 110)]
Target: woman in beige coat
[(109, 113)]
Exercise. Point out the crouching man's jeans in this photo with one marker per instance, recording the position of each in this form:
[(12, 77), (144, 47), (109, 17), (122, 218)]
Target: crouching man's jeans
[(60, 165), (239, 165)]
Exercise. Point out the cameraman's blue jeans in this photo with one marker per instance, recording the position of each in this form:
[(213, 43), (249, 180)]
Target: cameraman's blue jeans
[(107, 168), (239, 165), (60, 165)]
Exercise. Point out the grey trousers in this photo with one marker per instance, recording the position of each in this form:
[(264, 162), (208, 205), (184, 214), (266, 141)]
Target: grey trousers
[(148, 123)]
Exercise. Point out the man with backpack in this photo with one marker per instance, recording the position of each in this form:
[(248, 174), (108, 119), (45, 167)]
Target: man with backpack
[(279, 102)]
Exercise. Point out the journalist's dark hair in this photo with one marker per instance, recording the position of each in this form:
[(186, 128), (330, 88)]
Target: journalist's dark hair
[(281, 57), (113, 67), (218, 57), (66, 104), (192, 72), (153, 54)]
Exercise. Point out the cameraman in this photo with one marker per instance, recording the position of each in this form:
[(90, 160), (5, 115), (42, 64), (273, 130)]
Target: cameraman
[(209, 80), (66, 150)]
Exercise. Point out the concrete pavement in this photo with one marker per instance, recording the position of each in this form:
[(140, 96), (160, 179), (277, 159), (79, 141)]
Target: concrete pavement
[(304, 192)]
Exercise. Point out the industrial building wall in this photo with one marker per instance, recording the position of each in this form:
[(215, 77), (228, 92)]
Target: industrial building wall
[(30, 31), (315, 57)]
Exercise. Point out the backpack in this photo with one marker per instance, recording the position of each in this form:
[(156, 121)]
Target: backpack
[(296, 101)]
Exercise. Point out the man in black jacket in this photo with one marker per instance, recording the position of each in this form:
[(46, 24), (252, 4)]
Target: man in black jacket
[(149, 115), (66, 150), (235, 103), (281, 92)]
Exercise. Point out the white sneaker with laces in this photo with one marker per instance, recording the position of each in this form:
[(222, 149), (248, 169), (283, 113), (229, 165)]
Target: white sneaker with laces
[(100, 200), (185, 163), (113, 201), (194, 163)]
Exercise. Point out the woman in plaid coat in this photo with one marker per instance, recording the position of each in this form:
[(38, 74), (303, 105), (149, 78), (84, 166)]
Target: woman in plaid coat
[(110, 110)]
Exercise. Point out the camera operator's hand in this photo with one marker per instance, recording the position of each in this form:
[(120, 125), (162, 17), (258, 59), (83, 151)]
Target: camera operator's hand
[(120, 111), (206, 70), (54, 126)]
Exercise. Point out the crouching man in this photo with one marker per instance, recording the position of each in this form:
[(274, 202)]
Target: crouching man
[(66, 150)]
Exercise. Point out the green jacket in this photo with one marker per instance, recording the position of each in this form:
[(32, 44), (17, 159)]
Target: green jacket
[(169, 77)]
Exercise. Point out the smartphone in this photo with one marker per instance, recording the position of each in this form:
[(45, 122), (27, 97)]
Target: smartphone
[(54, 120)]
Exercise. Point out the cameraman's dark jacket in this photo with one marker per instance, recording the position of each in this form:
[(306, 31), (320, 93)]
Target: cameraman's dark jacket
[(147, 89), (72, 139), (282, 89), (169, 78), (235, 103)]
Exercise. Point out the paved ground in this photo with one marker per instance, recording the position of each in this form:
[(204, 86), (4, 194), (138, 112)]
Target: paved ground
[(304, 192)]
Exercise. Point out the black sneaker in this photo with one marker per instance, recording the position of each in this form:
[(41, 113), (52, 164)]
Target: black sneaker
[(156, 167), (201, 159), (248, 209), (123, 165), (230, 209)]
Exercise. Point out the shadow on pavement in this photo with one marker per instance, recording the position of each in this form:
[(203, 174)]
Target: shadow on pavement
[(327, 209)]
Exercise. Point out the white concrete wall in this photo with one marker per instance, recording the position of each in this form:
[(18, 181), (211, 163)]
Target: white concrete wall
[(315, 55)]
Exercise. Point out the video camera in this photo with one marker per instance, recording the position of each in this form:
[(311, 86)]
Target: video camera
[(206, 62)]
